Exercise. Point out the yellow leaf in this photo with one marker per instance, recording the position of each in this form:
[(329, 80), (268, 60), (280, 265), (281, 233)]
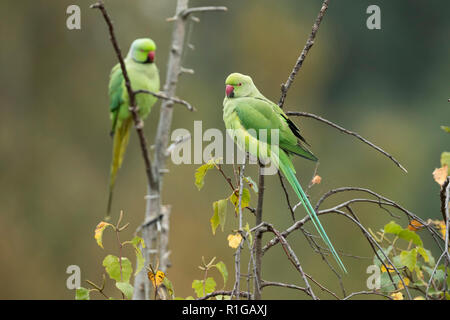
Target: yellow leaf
[(400, 283), (419, 298), (391, 269), (397, 296), (99, 232), (234, 240), (156, 281), (415, 225), (316, 180), (440, 174), (442, 228)]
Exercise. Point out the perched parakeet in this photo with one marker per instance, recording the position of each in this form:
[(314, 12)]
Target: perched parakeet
[(246, 111), (143, 75)]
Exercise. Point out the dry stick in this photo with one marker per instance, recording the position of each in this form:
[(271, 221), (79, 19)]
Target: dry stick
[(258, 240), (131, 94), (225, 293), (367, 293), (311, 115), (161, 95), (237, 255), (290, 254), (309, 43), (410, 215), (371, 241), (445, 252), (283, 285)]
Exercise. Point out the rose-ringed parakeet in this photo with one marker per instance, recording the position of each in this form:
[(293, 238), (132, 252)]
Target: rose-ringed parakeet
[(143, 75), (246, 111)]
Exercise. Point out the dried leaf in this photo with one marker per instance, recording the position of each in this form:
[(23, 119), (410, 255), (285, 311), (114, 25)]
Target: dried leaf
[(440, 174), (158, 279), (99, 232), (316, 180), (415, 225), (397, 296), (234, 240)]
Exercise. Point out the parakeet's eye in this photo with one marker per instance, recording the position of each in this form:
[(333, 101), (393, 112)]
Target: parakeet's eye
[(239, 84)]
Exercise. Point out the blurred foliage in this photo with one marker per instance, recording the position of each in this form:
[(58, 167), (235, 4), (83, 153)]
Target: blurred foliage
[(390, 85)]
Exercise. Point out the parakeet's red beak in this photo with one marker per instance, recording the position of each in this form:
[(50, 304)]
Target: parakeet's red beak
[(151, 56), (229, 91)]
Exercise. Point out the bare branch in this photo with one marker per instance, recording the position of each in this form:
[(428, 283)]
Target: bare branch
[(309, 43), (283, 285), (237, 254), (366, 293), (258, 241), (184, 14), (161, 95), (225, 293), (310, 115)]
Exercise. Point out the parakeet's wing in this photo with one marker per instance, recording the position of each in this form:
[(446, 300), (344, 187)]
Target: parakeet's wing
[(116, 93), (258, 113)]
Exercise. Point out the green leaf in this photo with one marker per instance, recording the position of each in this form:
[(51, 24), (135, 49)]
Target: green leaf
[(168, 284), (245, 202), (249, 234), (445, 128), (202, 170), (136, 242), (126, 288), (82, 294), (386, 283), (404, 234), (392, 227), (112, 267), (219, 216), (202, 287), (252, 184), (424, 254), (409, 258), (409, 235), (445, 159), (223, 271)]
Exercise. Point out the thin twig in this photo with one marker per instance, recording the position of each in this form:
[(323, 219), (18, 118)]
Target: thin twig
[(343, 130), (309, 43), (184, 14), (163, 96), (283, 285), (258, 240), (237, 255), (224, 293)]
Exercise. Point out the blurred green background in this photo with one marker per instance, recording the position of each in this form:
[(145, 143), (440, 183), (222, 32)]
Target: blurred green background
[(390, 85)]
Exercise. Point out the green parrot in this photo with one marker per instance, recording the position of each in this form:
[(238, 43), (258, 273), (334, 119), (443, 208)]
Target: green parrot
[(246, 111), (143, 75)]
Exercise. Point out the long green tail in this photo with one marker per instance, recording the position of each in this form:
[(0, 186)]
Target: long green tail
[(121, 137), (288, 171)]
